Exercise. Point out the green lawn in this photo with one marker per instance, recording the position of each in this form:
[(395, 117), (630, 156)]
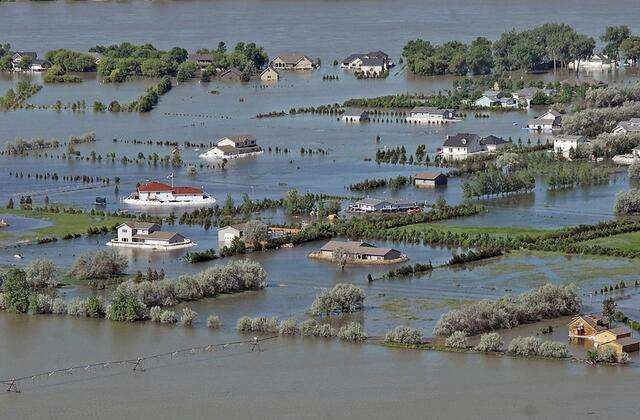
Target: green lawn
[(475, 230), (625, 241), (62, 224)]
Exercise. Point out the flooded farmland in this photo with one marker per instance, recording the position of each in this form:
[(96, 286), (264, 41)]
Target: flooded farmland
[(295, 377)]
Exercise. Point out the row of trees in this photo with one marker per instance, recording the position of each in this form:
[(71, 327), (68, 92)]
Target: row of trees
[(514, 50), (546, 302), (594, 121), (495, 182)]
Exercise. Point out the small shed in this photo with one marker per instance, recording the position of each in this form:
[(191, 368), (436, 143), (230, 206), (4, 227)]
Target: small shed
[(430, 179), (625, 344)]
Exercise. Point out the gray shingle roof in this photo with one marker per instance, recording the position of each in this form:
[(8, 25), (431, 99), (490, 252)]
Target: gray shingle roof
[(460, 140)]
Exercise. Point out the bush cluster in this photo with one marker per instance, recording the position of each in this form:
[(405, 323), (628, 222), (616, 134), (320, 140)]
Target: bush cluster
[(404, 335), (548, 301), (342, 298)]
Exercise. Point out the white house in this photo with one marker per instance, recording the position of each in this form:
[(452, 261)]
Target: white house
[(292, 61), (233, 147), (596, 61), (156, 193), (430, 114), (148, 235), (374, 60), (229, 233), (491, 98), (462, 145), (625, 127), (566, 143), (376, 205), (356, 116), (547, 122)]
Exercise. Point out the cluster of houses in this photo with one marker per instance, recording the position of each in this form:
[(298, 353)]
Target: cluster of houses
[(359, 252), (148, 235), (35, 64), (285, 61), (598, 329), (519, 99), (233, 147), (373, 63)]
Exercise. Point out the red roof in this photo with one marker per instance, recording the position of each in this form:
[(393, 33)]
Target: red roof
[(155, 186)]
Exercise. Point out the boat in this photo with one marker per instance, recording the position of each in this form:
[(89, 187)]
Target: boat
[(3, 223), (101, 201)]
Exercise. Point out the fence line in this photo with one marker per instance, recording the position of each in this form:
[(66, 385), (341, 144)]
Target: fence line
[(136, 363)]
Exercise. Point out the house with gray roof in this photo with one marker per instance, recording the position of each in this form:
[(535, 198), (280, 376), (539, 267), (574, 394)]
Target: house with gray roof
[(547, 122), (493, 143), (377, 205), (359, 252), (374, 61), (630, 126), (461, 145)]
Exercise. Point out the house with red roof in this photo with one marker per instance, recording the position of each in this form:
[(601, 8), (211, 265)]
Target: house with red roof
[(156, 193)]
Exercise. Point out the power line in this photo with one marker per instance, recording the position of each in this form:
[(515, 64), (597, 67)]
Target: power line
[(135, 363)]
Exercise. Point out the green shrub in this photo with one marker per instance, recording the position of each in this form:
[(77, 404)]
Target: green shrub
[(490, 342), (352, 332), (457, 340), (404, 335), (213, 321)]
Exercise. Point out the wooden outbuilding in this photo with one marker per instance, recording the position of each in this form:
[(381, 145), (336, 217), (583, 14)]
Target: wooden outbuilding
[(430, 179), (588, 325)]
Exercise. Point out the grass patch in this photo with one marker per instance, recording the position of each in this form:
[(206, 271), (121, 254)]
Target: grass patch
[(494, 231), (62, 223), (625, 241), (414, 309)]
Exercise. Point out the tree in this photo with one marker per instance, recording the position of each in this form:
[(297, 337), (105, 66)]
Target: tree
[(582, 49), (25, 63), (480, 57), (10, 203), (186, 71), (609, 306), (614, 36), (229, 206), (630, 48), (16, 291), (256, 231), (340, 256), (40, 273)]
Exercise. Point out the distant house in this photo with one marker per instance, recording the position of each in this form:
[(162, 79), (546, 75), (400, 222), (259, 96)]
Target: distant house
[(493, 143), (491, 98), (358, 251), (17, 56), (292, 61), (40, 65), (229, 233), (376, 205), (356, 116), (596, 61), (202, 60), (526, 95), (234, 147), (96, 56), (565, 143), (269, 75), (547, 122), (231, 75), (376, 61), (148, 235), (430, 179), (430, 114), (462, 145), (630, 126), (584, 326)]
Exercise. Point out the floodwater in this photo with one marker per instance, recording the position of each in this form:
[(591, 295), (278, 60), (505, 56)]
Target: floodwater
[(296, 378)]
